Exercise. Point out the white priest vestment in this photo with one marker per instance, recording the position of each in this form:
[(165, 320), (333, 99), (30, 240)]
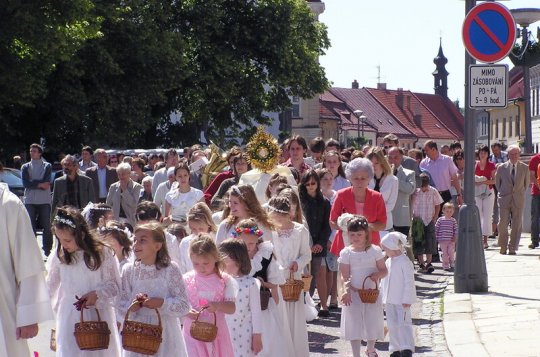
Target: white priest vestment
[(24, 299)]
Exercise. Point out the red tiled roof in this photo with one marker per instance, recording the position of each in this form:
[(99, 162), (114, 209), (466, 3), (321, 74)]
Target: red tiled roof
[(430, 127), (445, 111), (376, 116), (332, 107)]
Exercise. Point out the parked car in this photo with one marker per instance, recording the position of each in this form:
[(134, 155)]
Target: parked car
[(13, 181)]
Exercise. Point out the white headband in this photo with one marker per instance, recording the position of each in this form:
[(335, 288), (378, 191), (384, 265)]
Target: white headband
[(272, 208)]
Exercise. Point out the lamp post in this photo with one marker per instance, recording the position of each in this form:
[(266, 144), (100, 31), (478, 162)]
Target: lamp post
[(525, 17), (361, 117)]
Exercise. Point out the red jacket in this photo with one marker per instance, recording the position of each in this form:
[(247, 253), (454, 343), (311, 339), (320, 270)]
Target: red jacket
[(211, 190), (374, 211)]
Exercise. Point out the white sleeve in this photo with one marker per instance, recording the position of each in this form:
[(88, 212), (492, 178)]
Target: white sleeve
[(344, 256), (409, 288), (33, 304), (173, 248), (176, 302), (390, 201), (126, 296), (221, 234), (255, 306), (231, 289), (185, 261), (110, 284), (53, 280), (305, 251)]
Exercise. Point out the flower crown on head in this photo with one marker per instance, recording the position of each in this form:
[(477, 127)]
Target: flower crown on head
[(248, 230), (65, 220)]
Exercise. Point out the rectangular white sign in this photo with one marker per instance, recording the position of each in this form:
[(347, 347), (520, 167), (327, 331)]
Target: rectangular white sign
[(488, 86)]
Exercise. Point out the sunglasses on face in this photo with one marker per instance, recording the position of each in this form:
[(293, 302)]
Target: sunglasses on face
[(312, 183)]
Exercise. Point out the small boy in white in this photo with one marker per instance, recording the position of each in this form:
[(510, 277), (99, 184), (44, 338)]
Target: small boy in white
[(399, 293), (446, 232)]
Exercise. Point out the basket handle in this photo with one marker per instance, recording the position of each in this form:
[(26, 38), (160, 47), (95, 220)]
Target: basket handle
[(199, 314), (376, 283), (135, 303), (97, 311)]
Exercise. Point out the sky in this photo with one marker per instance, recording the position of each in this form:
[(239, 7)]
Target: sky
[(402, 37)]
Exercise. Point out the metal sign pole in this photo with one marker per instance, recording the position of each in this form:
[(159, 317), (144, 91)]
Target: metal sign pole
[(470, 272)]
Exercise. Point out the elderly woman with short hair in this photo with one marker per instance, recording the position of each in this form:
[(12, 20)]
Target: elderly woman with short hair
[(360, 200), (124, 195)]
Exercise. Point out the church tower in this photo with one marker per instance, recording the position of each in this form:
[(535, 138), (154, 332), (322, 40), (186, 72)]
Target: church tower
[(441, 74)]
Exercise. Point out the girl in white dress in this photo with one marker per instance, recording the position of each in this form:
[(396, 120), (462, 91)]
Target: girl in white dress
[(199, 221), (243, 204), (358, 262), (159, 281), (86, 270), (264, 266), (291, 247), (245, 326), (117, 236), (180, 199)]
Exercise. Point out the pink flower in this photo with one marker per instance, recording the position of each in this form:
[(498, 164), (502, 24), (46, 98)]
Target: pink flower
[(203, 302)]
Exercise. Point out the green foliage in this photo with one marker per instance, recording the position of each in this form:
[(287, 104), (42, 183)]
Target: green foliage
[(109, 72)]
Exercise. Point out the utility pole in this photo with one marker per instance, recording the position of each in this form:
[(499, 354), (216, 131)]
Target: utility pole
[(470, 274)]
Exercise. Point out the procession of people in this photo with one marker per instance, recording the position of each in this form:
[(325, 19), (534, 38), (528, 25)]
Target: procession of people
[(249, 251)]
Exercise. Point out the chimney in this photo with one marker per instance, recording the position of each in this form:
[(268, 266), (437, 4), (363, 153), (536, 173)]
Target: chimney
[(355, 84), (399, 98), (417, 116), (381, 86)]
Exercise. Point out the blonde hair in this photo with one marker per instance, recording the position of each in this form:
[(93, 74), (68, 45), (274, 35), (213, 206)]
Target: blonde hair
[(378, 153), (201, 213), (203, 245), (246, 195)]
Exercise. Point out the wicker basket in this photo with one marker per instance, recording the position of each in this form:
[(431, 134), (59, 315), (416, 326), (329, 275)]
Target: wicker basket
[(92, 335), (307, 282), (291, 289), (368, 296), (203, 331), (266, 295), (141, 337)]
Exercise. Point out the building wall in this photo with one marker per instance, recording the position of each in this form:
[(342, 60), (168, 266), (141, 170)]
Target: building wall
[(503, 124)]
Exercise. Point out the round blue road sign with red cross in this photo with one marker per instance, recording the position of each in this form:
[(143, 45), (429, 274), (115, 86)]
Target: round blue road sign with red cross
[(489, 32)]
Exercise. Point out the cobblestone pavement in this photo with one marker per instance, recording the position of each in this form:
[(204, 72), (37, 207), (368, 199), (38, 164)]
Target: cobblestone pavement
[(324, 334)]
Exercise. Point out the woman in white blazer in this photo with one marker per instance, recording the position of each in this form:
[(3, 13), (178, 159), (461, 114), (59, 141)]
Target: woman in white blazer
[(384, 182)]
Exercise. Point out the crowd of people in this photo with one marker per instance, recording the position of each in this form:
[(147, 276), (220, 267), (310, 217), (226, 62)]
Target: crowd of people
[(132, 235)]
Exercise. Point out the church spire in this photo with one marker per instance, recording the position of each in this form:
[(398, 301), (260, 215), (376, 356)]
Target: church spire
[(441, 74)]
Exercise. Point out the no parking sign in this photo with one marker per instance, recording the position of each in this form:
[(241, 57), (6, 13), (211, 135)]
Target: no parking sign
[(489, 32)]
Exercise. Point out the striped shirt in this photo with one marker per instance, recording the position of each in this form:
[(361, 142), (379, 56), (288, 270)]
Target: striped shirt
[(445, 228)]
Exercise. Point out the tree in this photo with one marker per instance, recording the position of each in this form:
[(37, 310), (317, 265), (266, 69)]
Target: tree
[(248, 57), (218, 63), (36, 36)]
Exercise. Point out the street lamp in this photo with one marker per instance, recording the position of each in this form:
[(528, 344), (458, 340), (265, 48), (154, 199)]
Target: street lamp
[(361, 119), (525, 17)]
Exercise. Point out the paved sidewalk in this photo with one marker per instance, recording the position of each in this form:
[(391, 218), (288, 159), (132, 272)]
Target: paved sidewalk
[(505, 321)]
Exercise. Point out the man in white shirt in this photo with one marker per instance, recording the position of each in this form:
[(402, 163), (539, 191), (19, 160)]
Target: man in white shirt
[(163, 188), (171, 160)]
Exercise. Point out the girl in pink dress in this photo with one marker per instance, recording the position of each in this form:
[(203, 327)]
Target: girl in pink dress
[(208, 288)]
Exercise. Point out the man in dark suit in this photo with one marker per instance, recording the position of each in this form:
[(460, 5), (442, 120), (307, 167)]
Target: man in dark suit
[(72, 189), (512, 181), (102, 176)]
